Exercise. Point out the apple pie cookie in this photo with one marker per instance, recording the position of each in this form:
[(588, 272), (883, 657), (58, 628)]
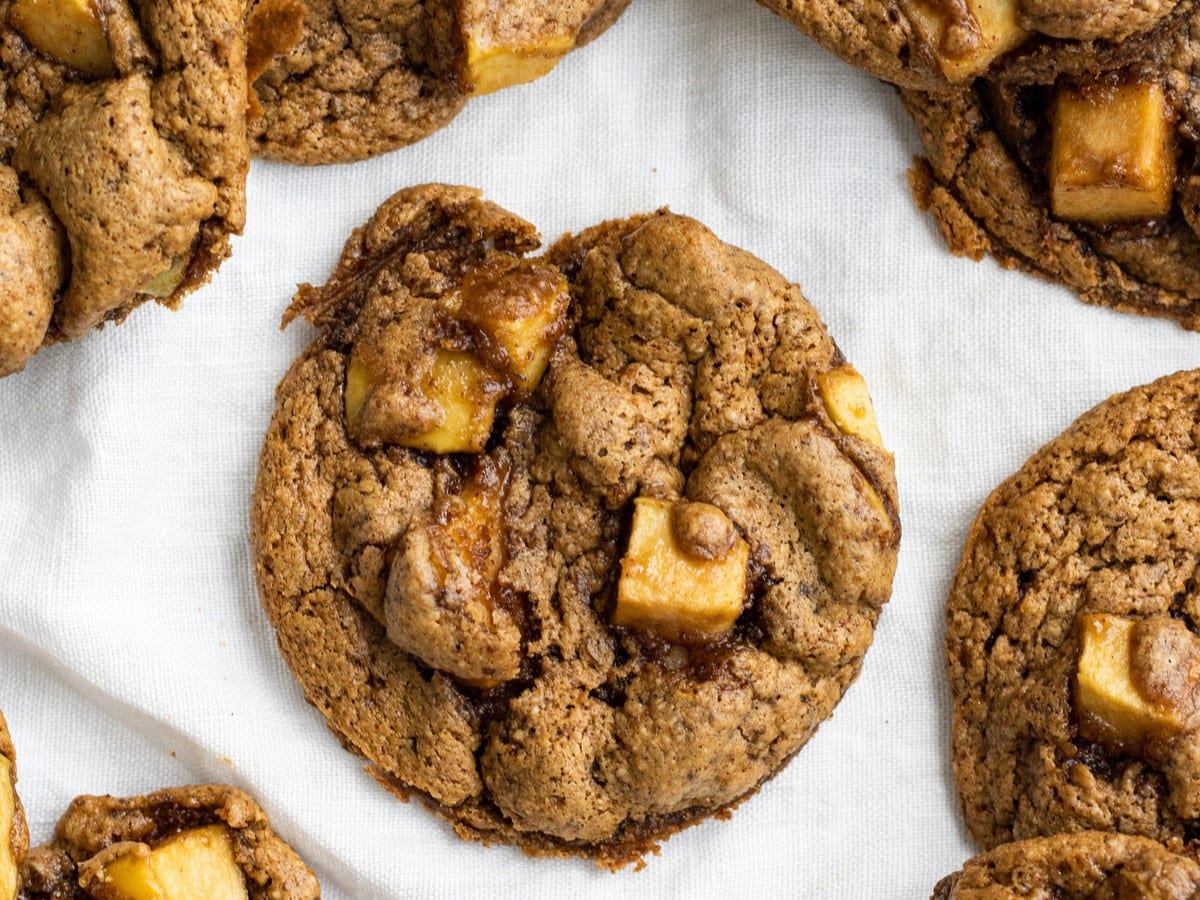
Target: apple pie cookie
[(14, 836), (1077, 161), (361, 77), (203, 841), (1086, 865), (578, 549), (123, 159), (1072, 647)]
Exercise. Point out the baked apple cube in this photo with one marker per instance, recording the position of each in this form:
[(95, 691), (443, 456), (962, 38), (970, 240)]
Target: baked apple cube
[(521, 311), (8, 814), (66, 30), (675, 590), (848, 402), (463, 389), (1112, 156), (963, 50), (1109, 703), (502, 50), (194, 865)]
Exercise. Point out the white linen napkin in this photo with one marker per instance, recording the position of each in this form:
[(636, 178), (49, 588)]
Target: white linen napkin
[(134, 654)]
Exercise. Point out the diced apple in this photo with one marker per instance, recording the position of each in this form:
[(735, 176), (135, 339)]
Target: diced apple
[(1112, 156), (66, 30), (964, 49), (166, 282), (194, 865), (502, 51), (467, 394), (670, 592), (849, 403), (522, 310), (8, 812), (1111, 708)]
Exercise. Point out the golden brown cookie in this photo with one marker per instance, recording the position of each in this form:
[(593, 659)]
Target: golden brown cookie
[(123, 159), (580, 548), (1086, 865), (209, 841), (1071, 643), (366, 77), (1075, 161)]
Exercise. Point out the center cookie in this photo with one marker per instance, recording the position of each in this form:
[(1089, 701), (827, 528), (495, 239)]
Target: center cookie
[(579, 549)]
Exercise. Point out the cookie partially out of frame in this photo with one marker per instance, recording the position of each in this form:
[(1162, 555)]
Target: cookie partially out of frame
[(936, 45), (1076, 162), (123, 159), (14, 835), (1086, 865), (576, 610), (209, 841), (365, 77), (1072, 645)]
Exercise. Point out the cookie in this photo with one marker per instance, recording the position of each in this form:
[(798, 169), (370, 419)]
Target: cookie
[(578, 549), (936, 45), (1071, 637), (14, 836), (365, 78), (1087, 865), (200, 841), (123, 159), (1073, 161)]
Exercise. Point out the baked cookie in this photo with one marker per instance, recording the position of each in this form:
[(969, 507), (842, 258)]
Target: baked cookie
[(366, 77), (1071, 641), (934, 45), (14, 836), (1087, 865), (123, 159), (577, 549), (1076, 161), (209, 841)]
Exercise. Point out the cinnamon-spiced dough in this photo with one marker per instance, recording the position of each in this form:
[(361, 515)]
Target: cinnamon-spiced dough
[(368, 77), (986, 179), (1086, 865), (120, 179), (1091, 546), (491, 683)]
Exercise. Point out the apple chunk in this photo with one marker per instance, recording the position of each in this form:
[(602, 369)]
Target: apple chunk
[(963, 49), (521, 311), (1112, 156), (1112, 695), (194, 865), (66, 30), (683, 575), (845, 395), (503, 49)]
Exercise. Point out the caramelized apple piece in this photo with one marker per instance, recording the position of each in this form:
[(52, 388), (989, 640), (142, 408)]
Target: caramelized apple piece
[(521, 311), (503, 49), (849, 404), (194, 865), (683, 575), (66, 30), (964, 49), (1119, 699), (1112, 156)]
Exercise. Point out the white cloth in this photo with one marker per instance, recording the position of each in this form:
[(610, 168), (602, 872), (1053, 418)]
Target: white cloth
[(133, 651)]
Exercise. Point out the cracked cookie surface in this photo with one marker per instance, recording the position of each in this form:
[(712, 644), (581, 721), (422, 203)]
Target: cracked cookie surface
[(369, 77), (493, 683), (992, 184), (1087, 865), (1071, 643), (122, 169)]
